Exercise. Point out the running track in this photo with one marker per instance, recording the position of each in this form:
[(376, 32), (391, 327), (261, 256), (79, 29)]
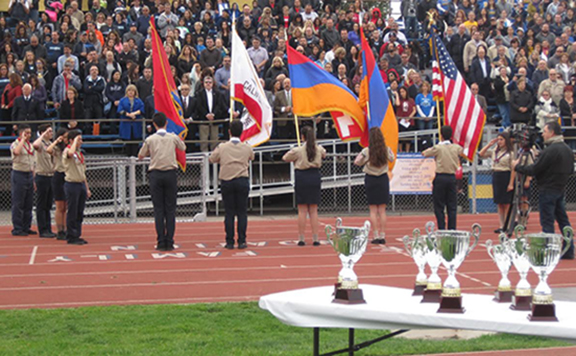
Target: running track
[(120, 266)]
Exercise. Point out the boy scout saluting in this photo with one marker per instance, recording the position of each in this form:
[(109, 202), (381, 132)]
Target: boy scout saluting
[(76, 188), (43, 179), (161, 147), (22, 185), (444, 194)]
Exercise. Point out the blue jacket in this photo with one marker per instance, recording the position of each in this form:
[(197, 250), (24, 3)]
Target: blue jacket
[(130, 130)]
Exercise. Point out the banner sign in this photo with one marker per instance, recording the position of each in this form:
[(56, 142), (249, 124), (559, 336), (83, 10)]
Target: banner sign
[(412, 174)]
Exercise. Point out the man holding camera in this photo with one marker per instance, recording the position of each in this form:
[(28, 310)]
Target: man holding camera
[(552, 169)]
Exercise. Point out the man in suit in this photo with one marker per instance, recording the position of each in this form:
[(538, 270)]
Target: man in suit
[(187, 113), (209, 105), (479, 98), (283, 110), (26, 108)]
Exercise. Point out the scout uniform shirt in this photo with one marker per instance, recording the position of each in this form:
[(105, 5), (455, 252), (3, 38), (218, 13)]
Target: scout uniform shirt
[(24, 162), (74, 167), (161, 147), (44, 160), (446, 155), (58, 159), (299, 156), (234, 158), (501, 160), (369, 169)]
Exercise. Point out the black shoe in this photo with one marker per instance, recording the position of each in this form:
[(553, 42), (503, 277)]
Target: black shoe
[(382, 241), (160, 246), (301, 243), (230, 246), (169, 247), (32, 232), (47, 234), (497, 231), (75, 242), (375, 241), (567, 257), (19, 233), (61, 236), (316, 243), (84, 242), (242, 246)]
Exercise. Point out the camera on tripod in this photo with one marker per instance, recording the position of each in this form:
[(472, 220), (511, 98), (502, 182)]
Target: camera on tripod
[(525, 136)]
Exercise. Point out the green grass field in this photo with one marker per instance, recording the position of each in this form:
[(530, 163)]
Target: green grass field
[(202, 329)]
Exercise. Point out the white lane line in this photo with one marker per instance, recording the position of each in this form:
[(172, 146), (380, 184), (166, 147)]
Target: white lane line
[(33, 256)]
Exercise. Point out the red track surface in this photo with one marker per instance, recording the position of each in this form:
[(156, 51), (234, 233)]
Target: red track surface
[(99, 275)]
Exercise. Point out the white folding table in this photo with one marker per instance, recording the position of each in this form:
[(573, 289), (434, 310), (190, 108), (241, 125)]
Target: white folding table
[(392, 308)]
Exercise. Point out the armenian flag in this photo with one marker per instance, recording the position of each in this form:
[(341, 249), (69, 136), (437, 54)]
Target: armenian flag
[(374, 99)]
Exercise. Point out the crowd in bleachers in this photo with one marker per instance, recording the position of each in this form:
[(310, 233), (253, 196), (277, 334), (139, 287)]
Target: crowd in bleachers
[(518, 57)]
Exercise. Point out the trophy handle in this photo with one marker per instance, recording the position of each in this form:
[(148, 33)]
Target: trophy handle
[(568, 235), (503, 237), (367, 227), (489, 248), (519, 231), (338, 223), (476, 230), (328, 231), (430, 227), (407, 245)]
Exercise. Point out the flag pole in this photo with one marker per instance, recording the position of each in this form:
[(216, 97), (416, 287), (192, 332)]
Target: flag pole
[(297, 128), (232, 73)]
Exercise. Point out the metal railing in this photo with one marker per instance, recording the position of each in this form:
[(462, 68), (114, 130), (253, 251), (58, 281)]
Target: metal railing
[(120, 189)]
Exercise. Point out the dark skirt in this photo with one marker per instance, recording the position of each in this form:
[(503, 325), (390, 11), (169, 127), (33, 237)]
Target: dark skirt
[(377, 189), (58, 186), (307, 187), (500, 182)]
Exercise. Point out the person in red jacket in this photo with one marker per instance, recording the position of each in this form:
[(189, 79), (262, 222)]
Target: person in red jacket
[(11, 92)]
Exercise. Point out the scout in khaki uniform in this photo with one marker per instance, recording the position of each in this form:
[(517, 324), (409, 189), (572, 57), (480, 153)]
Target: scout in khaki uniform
[(76, 188), (161, 147), (43, 180), (444, 194), (58, 180), (375, 159), (307, 162), (234, 158), (22, 154)]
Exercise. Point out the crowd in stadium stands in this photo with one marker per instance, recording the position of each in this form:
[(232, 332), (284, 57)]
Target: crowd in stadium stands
[(518, 57)]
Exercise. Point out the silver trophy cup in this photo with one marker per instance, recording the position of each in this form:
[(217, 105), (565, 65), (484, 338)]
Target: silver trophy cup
[(350, 244), (523, 291), (432, 258), (544, 251), (501, 257), (416, 248), (453, 247)]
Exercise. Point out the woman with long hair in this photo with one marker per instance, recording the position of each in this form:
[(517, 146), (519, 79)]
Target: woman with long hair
[(375, 159), (503, 174), (185, 60), (56, 149), (307, 162), (38, 91)]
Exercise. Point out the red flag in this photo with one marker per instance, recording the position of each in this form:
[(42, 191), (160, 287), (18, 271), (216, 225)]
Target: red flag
[(166, 97)]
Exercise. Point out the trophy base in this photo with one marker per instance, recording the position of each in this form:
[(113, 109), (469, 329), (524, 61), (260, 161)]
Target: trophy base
[(451, 305), (521, 302), (349, 296), (419, 289), (431, 296), (543, 312), (503, 296)]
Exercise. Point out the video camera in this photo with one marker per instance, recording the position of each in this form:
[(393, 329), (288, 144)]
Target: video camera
[(525, 136)]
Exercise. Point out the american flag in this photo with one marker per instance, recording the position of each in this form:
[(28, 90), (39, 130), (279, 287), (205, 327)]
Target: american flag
[(461, 110)]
